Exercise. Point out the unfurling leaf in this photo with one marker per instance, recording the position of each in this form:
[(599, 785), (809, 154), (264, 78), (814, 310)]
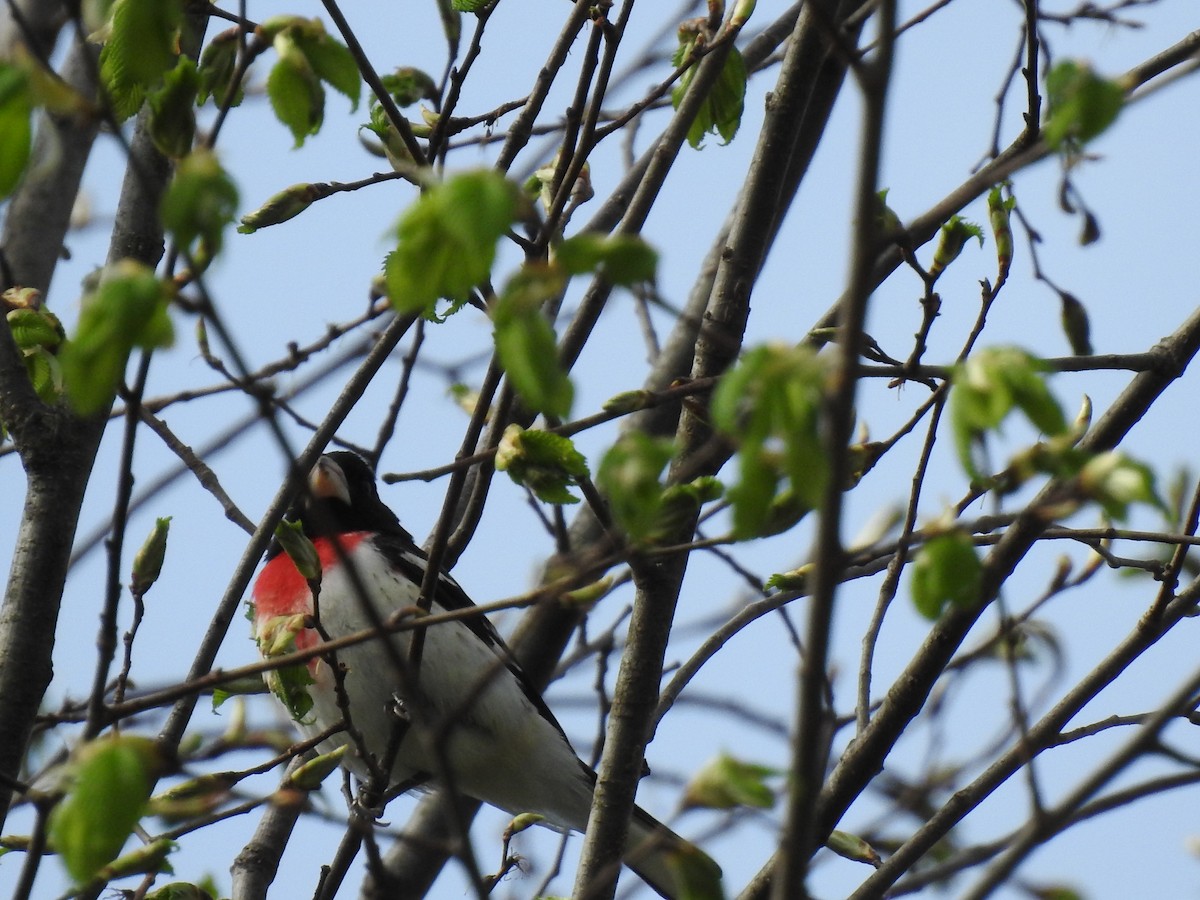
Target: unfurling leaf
[(127, 310), (308, 56), (769, 405), (888, 222), (409, 85), (35, 328), (987, 387), (331, 60), (852, 847), (38, 333), (195, 797), (294, 90), (1080, 104), (310, 775), (629, 474), (946, 571), (727, 782), (523, 822), (218, 65), (150, 859), (545, 463), (448, 240), (1075, 324), (142, 46), (300, 549), (199, 204), (148, 562), (695, 874), (287, 204), (279, 636), (526, 344), (543, 185), (172, 114), (1115, 481), (622, 259), (16, 126), (951, 240), (721, 112), (999, 214), (108, 794), (589, 595), (180, 890)]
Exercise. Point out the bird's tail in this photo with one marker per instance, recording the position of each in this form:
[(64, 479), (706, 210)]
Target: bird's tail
[(672, 866)]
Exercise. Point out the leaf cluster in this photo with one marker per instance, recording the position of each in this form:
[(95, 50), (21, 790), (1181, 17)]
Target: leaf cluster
[(769, 405)]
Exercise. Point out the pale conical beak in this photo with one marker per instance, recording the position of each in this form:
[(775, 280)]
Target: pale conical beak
[(327, 481)]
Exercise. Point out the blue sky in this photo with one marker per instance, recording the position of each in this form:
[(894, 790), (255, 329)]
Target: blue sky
[(286, 283)]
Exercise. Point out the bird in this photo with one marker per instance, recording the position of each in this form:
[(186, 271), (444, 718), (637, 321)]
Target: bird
[(469, 711)]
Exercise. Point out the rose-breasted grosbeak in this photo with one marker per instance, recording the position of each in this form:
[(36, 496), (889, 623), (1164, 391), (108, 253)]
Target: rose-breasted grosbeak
[(473, 711)]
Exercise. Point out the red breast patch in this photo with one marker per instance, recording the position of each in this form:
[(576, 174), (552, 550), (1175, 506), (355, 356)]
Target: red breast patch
[(281, 591)]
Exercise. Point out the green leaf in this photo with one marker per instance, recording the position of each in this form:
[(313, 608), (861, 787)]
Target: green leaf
[(622, 259), (987, 387), (106, 799), (726, 783), (886, 219), (769, 405), (629, 475), (331, 60), (682, 502), (408, 85), (172, 116), (277, 637), (218, 65), (179, 890), (526, 344), (34, 327), (199, 204), (447, 240), (141, 48), (792, 580), (250, 686), (45, 374), (695, 874), (545, 463), (1116, 481), (300, 549), (468, 6), (721, 112), (946, 571), (295, 90), (1080, 104), (127, 310), (16, 126)]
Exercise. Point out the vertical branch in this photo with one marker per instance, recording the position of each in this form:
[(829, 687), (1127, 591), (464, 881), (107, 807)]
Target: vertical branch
[(106, 641), (658, 583), (58, 459), (56, 449), (810, 735)]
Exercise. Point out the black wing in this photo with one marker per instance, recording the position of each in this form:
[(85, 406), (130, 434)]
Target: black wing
[(411, 561)]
